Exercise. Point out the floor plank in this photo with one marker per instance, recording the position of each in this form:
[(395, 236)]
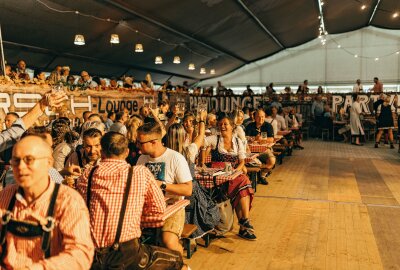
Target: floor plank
[(330, 206)]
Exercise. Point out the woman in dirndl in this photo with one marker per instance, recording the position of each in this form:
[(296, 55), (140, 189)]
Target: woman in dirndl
[(385, 121), (229, 148)]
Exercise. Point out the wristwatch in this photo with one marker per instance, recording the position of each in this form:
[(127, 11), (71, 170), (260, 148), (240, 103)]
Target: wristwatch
[(163, 186)]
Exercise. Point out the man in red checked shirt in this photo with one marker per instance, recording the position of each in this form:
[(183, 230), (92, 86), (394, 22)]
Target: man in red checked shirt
[(46, 225), (107, 183)]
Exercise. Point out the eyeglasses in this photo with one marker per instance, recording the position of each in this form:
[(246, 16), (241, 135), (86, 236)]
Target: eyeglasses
[(141, 143), (28, 160)]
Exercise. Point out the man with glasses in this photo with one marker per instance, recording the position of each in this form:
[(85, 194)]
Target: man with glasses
[(173, 176), (44, 225), (89, 155)]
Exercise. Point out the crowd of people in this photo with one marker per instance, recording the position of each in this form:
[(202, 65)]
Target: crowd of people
[(62, 75), (351, 121), (76, 197)]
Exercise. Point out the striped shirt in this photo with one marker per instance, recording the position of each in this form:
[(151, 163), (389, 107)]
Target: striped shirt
[(71, 245), (108, 187)]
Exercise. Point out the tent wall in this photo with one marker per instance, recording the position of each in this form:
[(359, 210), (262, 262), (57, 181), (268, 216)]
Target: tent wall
[(326, 65)]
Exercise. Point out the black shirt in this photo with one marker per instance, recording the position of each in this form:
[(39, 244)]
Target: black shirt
[(252, 130)]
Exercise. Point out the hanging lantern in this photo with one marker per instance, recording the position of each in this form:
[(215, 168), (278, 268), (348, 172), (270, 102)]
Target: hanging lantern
[(79, 40), (138, 47), (202, 70), (114, 39), (212, 71), (177, 60), (191, 66), (158, 60)]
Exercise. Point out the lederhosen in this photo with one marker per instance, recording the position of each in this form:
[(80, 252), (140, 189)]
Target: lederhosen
[(131, 254), (28, 229)]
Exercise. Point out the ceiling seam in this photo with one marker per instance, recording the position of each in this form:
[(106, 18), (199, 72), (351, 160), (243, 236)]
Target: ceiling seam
[(259, 23), (374, 12)]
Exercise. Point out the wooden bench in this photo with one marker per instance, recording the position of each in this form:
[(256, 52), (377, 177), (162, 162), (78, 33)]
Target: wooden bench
[(188, 230), (253, 172)]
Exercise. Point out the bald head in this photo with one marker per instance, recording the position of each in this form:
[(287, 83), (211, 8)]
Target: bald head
[(31, 161), (34, 144)]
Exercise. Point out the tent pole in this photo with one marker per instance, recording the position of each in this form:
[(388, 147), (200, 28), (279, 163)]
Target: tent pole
[(3, 63)]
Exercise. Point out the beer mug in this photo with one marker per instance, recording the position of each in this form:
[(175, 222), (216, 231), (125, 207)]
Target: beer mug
[(264, 135), (228, 167)]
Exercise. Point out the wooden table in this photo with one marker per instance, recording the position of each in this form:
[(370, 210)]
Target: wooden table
[(284, 132), (208, 179), (260, 147), (158, 220), (249, 157)]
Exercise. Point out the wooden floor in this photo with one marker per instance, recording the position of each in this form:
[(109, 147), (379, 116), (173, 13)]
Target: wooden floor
[(330, 206)]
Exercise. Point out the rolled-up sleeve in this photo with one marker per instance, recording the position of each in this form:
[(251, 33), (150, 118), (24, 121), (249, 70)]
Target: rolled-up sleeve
[(11, 135)]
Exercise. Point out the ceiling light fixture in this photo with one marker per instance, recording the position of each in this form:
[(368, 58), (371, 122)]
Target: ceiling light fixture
[(177, 60), (138, 47), (191, 66), (203, 71), (339, 46), (79, 40), (114, 39), (356, 56), (158, 60), (395, 15), (397, 52), (376, 59), (363, 7), (212, 71)]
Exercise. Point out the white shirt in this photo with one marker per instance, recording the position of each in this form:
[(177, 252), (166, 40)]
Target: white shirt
[(170, 167), (358, 88), (119, 127), (281, 122), (60, 154), (239, 132)]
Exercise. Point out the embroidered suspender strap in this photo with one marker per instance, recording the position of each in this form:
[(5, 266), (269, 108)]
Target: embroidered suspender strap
[(4, 228), (89, 187), (50, 222), (123, 208), (79, 156)]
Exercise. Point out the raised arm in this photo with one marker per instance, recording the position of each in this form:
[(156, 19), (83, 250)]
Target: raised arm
[(155, 116), (199, 140), (9, 136)]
